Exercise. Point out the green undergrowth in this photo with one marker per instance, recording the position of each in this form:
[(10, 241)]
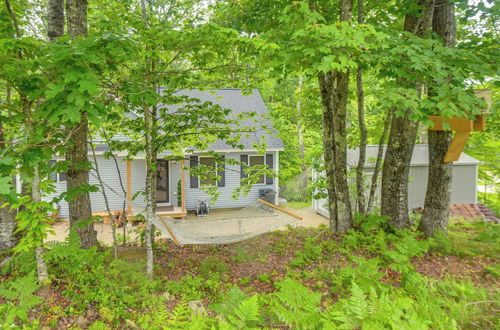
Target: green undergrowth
[(363, 279)]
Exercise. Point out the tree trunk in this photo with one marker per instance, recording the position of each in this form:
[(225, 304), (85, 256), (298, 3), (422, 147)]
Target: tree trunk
[(55, 19), (7, 217), (36, 197), (325, 85), (150, 192), (76, 17), (360, 185), (79, 208), (438, 195), (300, 138), (106, 202), (378, 163), (108, 141), (402, 138), (334, 87)]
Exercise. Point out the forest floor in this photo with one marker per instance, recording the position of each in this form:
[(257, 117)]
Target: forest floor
[(452, 280)]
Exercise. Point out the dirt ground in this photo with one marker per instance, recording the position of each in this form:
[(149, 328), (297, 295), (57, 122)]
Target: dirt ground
[(104, 233)]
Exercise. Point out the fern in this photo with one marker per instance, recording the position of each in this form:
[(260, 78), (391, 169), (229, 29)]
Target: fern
[(295, 305), (20, 299), (246, 314)]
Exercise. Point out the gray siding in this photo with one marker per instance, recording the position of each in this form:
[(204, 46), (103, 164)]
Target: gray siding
[(463, 187), (233, 180), (109, 175)]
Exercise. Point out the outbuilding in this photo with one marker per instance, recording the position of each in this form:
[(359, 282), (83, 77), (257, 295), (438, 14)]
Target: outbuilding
[(463, 186)]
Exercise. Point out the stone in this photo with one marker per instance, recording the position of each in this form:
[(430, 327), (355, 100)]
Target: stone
[(81, 322), (131, 324), (197, 307), (90, 313), (167, 296)]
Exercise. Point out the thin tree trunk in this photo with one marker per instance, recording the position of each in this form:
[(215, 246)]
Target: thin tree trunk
[(402, 138), (360, 185), (438, 195), (150, 165), (7, 217), (80, 208), (378, 163), (300, 136), (36, 197), (334, 87), (121, 186), (105, 196), (150, 183)]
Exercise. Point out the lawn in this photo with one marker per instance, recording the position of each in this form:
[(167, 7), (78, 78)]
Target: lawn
[(296, 278)]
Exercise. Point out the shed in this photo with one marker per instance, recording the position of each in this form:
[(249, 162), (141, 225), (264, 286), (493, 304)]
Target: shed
[(463, 185)]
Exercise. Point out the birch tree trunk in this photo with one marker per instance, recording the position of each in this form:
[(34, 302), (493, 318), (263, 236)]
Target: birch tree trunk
[(438, 195), (402, 138), (334, 87), (79, 208), (151, 162), (7, 217), (41, 267), (150, 192), (360, 185)]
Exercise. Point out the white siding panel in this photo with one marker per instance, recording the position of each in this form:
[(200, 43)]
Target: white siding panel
[(464, 184)]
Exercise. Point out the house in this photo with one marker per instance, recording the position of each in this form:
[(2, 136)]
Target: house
[(463, 185), (177, 190)]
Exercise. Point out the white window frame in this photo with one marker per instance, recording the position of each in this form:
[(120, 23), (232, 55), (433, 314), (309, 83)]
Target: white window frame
[(216, 167), (264, 163)]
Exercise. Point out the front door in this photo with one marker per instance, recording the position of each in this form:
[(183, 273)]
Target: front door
[(162, 195)]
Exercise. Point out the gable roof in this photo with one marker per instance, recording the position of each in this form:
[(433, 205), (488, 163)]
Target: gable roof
[(420, 156), (239, 103)]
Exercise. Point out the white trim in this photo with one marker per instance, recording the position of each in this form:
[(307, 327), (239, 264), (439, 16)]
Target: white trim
[(475, 183), (263, 163), (276, 178), (142, 155), (216, 171), (168, 186)]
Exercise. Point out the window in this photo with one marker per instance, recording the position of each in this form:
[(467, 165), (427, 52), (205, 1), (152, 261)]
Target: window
[(258, 161), (210, 171), (57, 176)]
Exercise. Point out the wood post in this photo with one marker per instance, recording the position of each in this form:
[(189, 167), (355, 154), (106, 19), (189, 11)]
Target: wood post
[(280, 209), (129, 187), (183, 188), (456, 146), (463, 127)]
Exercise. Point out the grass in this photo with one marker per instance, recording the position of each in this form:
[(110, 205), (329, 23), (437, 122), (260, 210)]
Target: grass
[(297, 205)]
